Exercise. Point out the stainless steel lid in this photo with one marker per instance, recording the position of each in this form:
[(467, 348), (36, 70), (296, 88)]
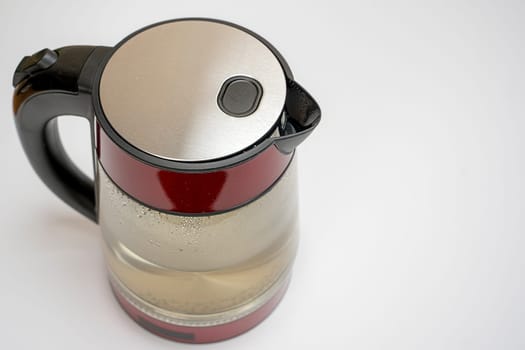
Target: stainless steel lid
[(192, 90)]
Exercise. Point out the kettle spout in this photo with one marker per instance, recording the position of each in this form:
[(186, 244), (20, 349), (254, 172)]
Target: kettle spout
[(302, 115)]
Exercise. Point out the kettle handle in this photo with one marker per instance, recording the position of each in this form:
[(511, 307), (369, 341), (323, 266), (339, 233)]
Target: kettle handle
[(302, 117), (47, 85)]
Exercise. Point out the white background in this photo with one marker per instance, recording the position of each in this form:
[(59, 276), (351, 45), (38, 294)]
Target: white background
[(412, 188)]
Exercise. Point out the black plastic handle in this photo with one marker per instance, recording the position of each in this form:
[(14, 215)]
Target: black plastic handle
[(302, 117), (50, 84)]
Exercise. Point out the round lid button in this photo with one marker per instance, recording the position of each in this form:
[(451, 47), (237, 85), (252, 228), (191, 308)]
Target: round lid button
[(239, 96)]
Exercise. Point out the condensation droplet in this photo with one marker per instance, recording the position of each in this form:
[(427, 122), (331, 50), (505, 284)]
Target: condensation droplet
[(154, 243)]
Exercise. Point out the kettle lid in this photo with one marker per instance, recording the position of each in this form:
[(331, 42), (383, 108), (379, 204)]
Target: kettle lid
[(193, 90)]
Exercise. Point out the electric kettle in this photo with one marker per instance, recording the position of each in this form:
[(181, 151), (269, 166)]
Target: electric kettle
[(194, 126)]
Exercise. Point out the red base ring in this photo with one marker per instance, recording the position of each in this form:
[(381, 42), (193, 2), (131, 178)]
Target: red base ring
[(209, 334)]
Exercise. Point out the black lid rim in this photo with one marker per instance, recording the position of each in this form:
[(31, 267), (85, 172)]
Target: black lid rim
[(185, 166)]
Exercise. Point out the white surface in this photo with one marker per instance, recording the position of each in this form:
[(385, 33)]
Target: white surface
[(412, 188)]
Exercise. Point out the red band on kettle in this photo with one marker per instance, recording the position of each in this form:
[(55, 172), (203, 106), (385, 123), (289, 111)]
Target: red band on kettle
[(191, 193)]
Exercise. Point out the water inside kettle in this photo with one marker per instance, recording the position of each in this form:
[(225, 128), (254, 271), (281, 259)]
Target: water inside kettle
[(200, 265)]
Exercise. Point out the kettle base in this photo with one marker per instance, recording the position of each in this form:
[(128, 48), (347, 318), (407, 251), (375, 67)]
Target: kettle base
[(201, 334)]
